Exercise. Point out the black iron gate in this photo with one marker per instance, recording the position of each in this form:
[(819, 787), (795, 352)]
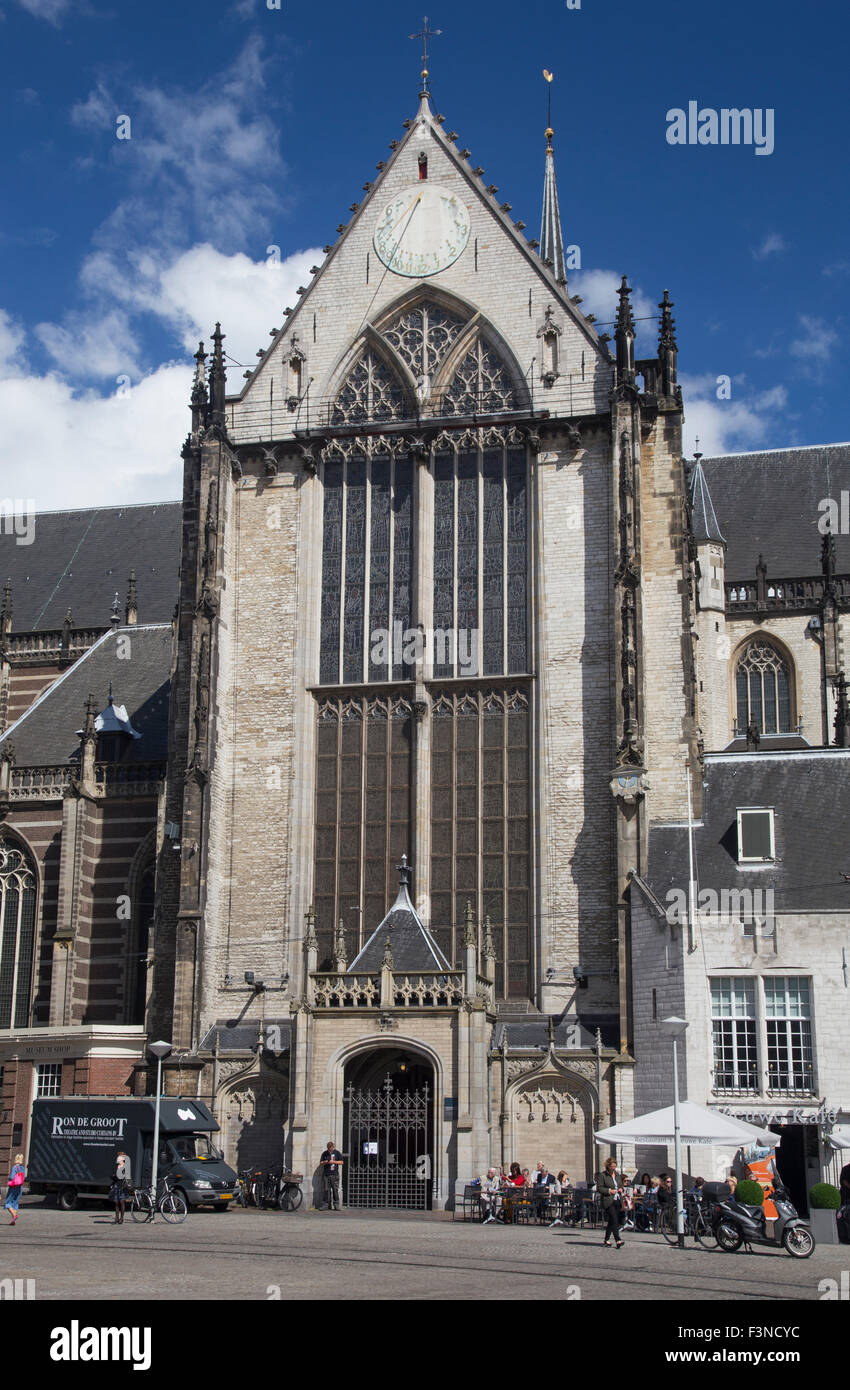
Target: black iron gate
[(387, 1146)]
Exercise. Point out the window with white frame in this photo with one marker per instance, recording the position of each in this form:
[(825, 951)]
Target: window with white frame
[(48, 1079), (755, 835), (735, 1033), (788, 1018)]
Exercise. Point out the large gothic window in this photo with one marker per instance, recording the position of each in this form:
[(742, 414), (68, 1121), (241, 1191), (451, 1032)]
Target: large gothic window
[(367, 568), (422, 335), (17, 935), (763, 689), (480, 825), (482, 384), (362, 814), (370, 392), (480, 560)]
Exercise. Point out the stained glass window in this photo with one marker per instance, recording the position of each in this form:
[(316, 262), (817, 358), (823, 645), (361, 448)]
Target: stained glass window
[(362, 815), (366, 498), (402, 558), (331, 574), (481, 384), (422, 335), (480, 829), (17, 935), (370, 392), (763, 690), (480, 562)]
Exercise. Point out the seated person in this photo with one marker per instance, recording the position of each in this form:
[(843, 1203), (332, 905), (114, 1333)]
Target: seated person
[(515, 1177), (490, 1198), (561, 1183)]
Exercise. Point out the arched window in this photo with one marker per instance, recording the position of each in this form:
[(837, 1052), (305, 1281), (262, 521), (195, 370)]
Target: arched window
[(422, 335), (17, 934), (369, 392), (763, 688), (482, 383)]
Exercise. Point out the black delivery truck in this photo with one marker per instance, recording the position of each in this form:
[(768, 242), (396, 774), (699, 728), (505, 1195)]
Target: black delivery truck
[(74, 1141)]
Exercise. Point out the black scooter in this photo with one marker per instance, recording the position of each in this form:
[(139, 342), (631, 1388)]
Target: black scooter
[(738, 1224)]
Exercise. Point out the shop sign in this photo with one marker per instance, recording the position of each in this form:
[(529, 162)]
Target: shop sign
[(795, 1115)]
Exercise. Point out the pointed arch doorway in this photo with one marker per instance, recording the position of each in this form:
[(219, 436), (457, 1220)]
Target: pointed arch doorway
[(388, 1124)]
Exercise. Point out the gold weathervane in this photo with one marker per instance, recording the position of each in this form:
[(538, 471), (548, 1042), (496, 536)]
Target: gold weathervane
[(549, 131), (425, 34)]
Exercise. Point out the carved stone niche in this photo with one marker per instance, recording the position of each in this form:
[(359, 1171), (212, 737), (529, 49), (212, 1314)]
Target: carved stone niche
[(547, 1099)]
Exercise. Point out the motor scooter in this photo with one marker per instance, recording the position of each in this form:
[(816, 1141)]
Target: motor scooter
[(738, 1224)]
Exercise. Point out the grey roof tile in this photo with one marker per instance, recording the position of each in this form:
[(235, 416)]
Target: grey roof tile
[(767, 504), (412, 945), (79, 559), (810, 796), (47, 733)]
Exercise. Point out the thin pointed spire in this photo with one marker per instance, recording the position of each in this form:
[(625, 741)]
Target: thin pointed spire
[(199, 398), (218, 377), (667, 350), (551, 235), (624, 336)]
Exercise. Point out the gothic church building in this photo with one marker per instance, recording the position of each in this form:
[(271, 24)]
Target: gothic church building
[(434, 675)]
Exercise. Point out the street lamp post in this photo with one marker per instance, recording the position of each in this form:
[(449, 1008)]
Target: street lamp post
[(159, 1050), (675, 1028)]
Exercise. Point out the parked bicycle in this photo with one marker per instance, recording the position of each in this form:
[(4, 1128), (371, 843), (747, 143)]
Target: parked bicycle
[(271, 1189), (171, 1204), (699, 1223)]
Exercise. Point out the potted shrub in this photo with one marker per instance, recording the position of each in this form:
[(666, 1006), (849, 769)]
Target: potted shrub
[(824, 1201), (750, 1193)]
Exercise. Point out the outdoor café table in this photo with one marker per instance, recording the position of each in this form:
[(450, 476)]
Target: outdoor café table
[(561, 1207), (512, 1199)]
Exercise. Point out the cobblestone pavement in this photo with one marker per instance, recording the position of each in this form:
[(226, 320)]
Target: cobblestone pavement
[(355, 1255)]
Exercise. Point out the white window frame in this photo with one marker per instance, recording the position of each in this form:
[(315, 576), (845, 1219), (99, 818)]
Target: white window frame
[(756, 859), (50, 1073)]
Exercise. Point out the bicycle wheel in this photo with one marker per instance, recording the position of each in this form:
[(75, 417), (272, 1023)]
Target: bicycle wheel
[(142, 1208), (668, 1226), (173, 1207), (291, 1197), (705, 1233)]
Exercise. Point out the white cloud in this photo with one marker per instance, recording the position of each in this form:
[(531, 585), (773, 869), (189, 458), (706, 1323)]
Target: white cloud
[(74, 450), (599, 290), (771, 246), (12, 338), (96, 112), (92, 347), (51, 10), (746, 421), (817, 341)]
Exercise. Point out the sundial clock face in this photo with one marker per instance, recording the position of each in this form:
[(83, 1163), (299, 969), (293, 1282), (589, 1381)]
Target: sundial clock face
[(422, 231)]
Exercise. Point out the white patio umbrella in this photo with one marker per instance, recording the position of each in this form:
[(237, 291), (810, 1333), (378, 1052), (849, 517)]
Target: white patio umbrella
[(697, 1125), (839, 1138)]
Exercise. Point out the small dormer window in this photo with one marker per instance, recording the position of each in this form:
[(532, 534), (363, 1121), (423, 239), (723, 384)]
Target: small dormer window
[(423, 165), (755, 836)]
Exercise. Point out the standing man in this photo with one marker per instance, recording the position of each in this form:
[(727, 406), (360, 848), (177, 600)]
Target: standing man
[(331, 1162)]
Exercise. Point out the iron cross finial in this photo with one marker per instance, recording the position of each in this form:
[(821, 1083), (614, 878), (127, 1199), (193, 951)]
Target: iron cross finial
[(425, 34)]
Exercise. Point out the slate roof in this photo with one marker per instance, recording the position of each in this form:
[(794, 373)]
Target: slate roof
[(767, 503), (47, 733), (79, 559), (810, 795), (571, 1031), (412, 945)]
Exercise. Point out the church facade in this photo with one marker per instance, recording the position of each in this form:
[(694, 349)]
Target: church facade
[(459, 640), (417, 624)]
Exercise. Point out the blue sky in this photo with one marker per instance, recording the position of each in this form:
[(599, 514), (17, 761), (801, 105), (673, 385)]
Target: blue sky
[(254, 127)]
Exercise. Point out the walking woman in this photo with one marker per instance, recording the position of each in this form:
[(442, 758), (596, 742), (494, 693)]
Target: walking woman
[(120, 1184), (16, 1182), (610, 1189)]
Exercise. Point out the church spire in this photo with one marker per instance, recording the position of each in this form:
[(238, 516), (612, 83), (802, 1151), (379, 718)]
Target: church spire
[(551, 236), (218, 378)]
